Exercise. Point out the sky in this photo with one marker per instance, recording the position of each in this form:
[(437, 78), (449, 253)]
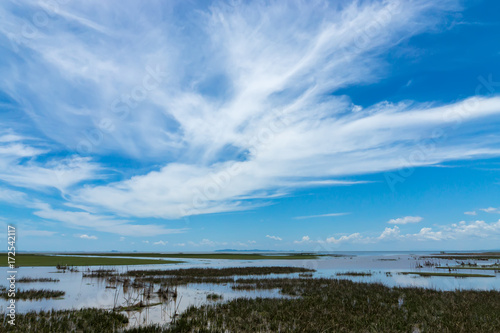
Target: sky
[(278, 125)]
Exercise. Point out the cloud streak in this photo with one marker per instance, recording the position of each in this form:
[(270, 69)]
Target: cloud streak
[(321, 215)]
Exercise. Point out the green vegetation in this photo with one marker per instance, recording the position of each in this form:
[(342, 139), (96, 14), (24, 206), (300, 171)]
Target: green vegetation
[(23, 260), (355, 274), (446, 274), (33, 294), (231, 256), (220, 272), (86, 320), (328, 305), (176, 277), (214, 297), (30, 280), (316, 305)]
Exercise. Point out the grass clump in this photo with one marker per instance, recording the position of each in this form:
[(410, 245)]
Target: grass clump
[(33, 294), (85, 320), (214, 297), (355, 274), (30, 280)]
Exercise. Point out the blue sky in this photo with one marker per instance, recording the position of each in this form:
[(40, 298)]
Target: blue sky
[(196, 126)]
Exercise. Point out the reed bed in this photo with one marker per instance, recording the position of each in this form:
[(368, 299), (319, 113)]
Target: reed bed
[(355, 274), (220, 272), (33, 294), (319, 305), (31, 280), (329, 305), (85, 320), (177, 277)]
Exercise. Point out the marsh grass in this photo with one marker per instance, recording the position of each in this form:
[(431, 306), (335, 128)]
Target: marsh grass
[(99, 273), (177, 277), (220, 272), (466, 256), (31, 280), (328, 305), (354, 274), (318, 305), (482, 267), (214, 297), (85, 320), (33, 294), (457, 275)]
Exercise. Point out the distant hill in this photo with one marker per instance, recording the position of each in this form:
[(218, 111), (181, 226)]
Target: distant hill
[(253, 250)]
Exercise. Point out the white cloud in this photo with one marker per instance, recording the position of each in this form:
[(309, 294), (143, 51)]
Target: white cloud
[(470, 213), (305, 239), (490, 210), (270, 89), (85, 236), (390, 233), (322, 215), (160, 243), (11, 196), (406, 220), (349, 238), (59, 173), (274, 237), (462, 230), (86, 220)]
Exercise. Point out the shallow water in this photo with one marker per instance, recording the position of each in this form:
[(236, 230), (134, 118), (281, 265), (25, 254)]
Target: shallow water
[(92, 292)]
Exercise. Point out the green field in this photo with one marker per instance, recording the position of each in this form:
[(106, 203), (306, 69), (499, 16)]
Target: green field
[(230, 256), (23, 260)]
